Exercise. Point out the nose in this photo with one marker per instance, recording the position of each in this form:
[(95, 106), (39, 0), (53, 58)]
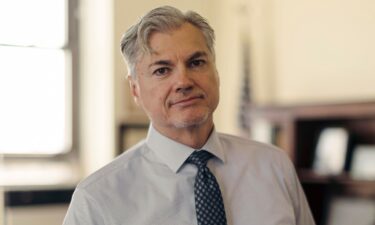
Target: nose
[(184, 82)]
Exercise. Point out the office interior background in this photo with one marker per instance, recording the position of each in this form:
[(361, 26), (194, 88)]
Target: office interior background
[(298, 74)]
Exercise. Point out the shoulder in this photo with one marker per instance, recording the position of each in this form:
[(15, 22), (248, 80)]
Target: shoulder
[(100, 192), (119, 165), (248, 146), (247, 150), (265, 160)]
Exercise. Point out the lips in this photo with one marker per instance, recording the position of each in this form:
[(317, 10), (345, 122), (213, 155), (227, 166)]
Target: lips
[(187, 101)]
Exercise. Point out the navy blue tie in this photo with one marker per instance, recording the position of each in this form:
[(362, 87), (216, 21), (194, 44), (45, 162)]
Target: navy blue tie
[(208, 200)]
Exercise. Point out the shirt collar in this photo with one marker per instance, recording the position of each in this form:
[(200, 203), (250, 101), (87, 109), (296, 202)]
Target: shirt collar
[(174, 154)]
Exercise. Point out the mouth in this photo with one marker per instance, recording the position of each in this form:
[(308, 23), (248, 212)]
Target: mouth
[(187, 101)]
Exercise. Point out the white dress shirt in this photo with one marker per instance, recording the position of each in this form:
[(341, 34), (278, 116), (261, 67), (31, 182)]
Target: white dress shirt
[(150, 185)]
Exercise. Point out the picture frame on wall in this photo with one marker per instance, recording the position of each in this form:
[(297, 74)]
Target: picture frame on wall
[(331, 151), (349, 210), (363, 162)]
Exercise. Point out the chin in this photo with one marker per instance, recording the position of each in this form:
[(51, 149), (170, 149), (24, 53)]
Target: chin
[(191, 122)]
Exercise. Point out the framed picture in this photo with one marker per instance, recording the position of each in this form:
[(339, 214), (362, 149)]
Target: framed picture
[(363, 162), (351, 210), (262, 130), (331, 151)]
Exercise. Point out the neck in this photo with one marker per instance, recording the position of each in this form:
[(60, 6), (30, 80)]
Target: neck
[(194, 136)]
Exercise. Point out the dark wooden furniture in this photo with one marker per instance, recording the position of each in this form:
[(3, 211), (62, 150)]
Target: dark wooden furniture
[(296, 130), (125, 129)]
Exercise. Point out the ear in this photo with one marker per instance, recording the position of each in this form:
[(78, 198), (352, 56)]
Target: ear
[(134, 88)]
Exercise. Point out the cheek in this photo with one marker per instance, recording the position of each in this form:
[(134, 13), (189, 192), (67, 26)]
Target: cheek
[(214, 92), (212, 85), (155, 97)]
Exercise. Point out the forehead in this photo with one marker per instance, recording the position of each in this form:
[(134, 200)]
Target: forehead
[(183, 39)]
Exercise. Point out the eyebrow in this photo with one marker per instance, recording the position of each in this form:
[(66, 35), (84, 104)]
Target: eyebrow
[(197, 55), (161, 62), (168, 62)]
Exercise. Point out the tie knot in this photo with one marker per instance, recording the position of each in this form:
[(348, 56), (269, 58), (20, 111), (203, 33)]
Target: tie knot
[(199, 158)]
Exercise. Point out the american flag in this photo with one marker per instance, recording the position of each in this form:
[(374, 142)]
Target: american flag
[(245, 98)]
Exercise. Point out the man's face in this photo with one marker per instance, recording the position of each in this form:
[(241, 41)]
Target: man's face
[(177, 83)]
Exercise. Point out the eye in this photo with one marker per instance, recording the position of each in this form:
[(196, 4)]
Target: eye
[(197, 63), (161, 71)]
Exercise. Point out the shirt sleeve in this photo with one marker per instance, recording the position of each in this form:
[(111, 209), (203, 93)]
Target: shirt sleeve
[(83, 210)]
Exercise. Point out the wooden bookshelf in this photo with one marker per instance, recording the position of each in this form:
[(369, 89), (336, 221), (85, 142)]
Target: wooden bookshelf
[(296, 130)]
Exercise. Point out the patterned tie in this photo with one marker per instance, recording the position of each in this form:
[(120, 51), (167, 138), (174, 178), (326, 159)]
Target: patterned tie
[(208, 201)]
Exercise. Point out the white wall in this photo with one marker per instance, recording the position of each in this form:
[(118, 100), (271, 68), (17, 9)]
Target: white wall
[(318, 51), (97, 124), (226, 19)]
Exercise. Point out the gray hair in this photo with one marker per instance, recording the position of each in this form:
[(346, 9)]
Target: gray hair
[(135, 41)]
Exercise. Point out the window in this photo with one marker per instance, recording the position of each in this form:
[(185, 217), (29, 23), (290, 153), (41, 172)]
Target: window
[(36, 77)]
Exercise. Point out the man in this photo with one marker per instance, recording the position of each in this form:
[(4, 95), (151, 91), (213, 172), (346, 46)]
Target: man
[(184, 172)]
